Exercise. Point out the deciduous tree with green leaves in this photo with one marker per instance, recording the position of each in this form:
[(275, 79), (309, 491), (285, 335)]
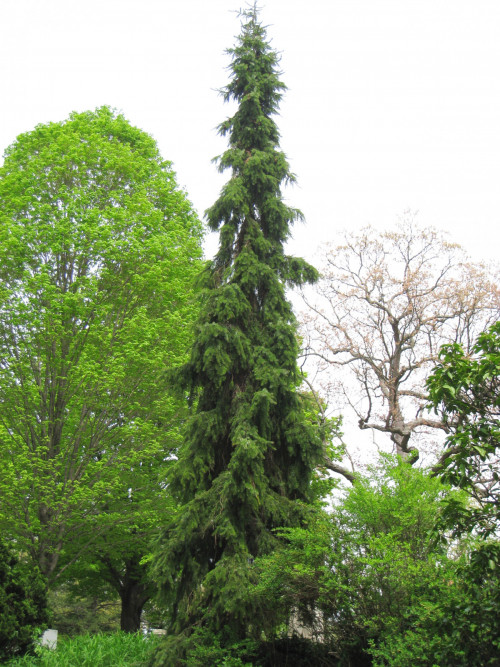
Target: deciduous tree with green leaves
[(98, 250), (116, 563), (250, 450), (353, 574), (465, 391)]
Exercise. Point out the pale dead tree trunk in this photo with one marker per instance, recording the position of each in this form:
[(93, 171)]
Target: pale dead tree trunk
[(375, 322)]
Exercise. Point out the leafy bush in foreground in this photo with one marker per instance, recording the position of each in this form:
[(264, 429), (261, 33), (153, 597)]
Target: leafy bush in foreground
[(119, 649), (351, 576), (457, 623)]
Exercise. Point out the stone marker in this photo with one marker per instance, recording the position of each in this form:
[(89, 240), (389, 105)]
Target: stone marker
[(49, 639)]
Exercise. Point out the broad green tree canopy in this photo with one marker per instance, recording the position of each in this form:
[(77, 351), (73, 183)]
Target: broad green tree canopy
[(98, 249)]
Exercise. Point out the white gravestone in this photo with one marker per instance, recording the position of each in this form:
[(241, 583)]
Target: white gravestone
[(49, 639)]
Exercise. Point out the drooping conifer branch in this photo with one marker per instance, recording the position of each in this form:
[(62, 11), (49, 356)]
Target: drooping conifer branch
[(250, 448)]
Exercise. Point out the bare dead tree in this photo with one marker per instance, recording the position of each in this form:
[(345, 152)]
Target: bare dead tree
[(374, 323)]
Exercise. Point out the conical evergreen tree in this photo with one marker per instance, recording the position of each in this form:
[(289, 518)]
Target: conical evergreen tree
[(250, 452)]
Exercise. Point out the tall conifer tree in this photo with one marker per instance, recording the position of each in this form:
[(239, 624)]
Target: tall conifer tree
[(250, 451)]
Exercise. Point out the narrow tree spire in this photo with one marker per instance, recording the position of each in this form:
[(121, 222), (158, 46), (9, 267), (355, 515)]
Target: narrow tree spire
[(249, 454)]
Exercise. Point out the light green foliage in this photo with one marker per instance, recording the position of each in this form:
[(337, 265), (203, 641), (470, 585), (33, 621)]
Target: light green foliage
[(250, 450), (456, 622), (295, 576), (117, 561), (98, 249), (99, 650), (352, 575), (387, 555), (465, 390)]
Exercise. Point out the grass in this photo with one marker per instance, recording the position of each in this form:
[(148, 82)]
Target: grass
[(101, 650)]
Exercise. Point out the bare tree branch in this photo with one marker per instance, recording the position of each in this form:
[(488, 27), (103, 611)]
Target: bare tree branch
[(384, 306)]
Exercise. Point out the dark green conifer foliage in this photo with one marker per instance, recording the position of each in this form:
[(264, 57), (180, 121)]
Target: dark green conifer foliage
[(250, 451), (23, 604)]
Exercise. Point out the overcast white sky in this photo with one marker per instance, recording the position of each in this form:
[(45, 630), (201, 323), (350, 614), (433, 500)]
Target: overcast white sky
[(392, 104)]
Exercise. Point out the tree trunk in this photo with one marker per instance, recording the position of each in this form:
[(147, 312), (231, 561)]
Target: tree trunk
[(134, 593), (133, 597)]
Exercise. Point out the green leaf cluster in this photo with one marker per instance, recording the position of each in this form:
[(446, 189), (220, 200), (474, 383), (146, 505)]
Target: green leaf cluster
[(465, 391), (352, 576), (456, 622)]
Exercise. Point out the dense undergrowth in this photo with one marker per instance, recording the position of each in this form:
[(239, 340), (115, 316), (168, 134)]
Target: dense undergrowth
[(118, 649)]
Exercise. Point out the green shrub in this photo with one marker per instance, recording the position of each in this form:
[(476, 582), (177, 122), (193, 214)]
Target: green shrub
[(205, 649), (202, 648), (23, 604), (76, 614), (350, 576), (457, 624), (296, 651)]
